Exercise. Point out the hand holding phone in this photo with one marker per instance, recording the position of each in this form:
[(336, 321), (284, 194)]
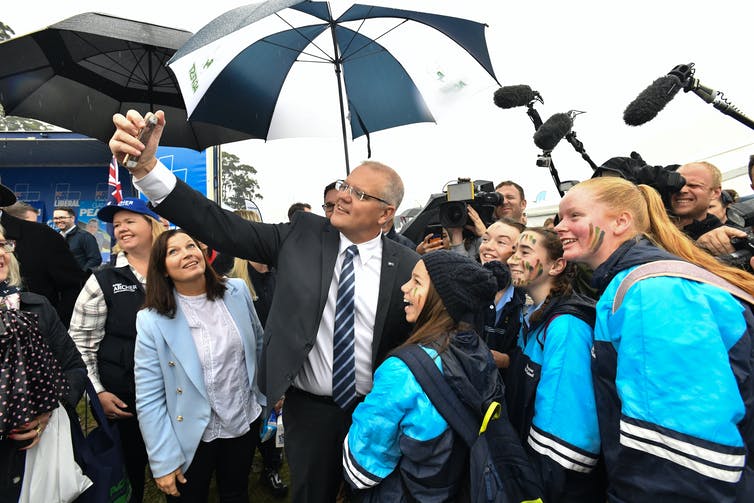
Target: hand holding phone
[(435, 230), (150, 120)]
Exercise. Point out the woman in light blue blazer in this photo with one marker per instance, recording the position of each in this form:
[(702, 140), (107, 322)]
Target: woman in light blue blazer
[(197, 351)]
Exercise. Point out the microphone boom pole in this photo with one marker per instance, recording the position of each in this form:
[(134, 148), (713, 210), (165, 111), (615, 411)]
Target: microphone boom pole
[(537, 121)]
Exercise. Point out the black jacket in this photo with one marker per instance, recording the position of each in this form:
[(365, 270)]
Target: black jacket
[(84, 248), (304, 253), (47, 265), (11, 459)]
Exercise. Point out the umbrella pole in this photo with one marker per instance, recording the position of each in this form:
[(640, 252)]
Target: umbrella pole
[(338, 72)]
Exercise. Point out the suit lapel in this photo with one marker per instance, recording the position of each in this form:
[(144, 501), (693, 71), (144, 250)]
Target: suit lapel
[(239, 311), (177, 335), (330, 245), (388, 275)]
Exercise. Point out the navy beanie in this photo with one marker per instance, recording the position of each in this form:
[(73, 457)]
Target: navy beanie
[(463, 284)]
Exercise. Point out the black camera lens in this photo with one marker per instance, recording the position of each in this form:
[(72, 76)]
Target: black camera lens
[(453, 214)]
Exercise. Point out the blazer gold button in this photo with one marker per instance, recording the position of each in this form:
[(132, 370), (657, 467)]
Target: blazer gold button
[(171, 364), (179, 390), (179, 418)]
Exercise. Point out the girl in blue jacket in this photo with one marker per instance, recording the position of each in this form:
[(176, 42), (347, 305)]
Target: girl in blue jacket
[(672, 364), (399, 447), (549, 387)]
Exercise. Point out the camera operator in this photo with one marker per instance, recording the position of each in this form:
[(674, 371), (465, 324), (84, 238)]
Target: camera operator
[(469, 209), (691, 204), (718, 241), (514, 202), (467, 243)]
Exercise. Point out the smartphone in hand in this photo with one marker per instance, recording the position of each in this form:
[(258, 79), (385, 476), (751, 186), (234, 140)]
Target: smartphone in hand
[(435, 230), (144, 135)]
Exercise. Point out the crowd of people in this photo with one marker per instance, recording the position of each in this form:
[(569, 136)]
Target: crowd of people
[(615, 346)]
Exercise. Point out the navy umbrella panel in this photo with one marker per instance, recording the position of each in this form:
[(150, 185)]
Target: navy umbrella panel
[(77, 73), (399, 100), (233, 76)]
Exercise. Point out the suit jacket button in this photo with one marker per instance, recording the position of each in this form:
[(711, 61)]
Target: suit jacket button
[(171, 364), (179, 390), (179, 418)]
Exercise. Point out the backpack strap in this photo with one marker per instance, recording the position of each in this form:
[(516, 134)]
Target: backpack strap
[(439, 392), (679, 269)]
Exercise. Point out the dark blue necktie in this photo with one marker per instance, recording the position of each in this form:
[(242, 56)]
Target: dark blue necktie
[(344, 362)]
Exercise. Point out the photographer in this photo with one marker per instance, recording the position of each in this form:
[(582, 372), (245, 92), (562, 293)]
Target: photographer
[(691, 203), (467, 243), (685, 200), (469, 209)]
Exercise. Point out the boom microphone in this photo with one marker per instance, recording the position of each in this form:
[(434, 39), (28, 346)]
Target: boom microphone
[(552, 131), (652, 99), (515, 96)]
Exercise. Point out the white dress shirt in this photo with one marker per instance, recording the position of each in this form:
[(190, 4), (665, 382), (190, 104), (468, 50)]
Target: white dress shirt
[(316, 374), (221, 353)]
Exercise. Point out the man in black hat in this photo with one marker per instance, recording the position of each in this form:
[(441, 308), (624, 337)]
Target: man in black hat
[(47, 265)]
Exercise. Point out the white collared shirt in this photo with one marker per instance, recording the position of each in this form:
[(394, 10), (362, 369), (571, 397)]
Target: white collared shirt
[(221, 353), (316, 374)]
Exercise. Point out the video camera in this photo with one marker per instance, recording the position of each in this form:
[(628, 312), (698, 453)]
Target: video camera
[(479, 194), (664, 180), (741, 214)]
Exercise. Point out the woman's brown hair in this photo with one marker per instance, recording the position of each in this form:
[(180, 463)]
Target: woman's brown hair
[(159, 295)]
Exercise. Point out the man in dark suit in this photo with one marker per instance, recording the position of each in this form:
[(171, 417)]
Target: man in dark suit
[(309, 254), (47, 265)]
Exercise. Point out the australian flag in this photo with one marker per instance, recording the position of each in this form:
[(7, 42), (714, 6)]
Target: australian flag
[(114, 193)]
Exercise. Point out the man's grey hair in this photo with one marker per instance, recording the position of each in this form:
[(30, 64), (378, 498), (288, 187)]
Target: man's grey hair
[(393, 192)]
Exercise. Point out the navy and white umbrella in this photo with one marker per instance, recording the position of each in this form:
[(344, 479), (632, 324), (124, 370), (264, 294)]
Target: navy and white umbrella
[(234, 72)]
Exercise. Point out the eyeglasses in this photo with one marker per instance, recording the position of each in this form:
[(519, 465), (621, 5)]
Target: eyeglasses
[(342, 186), (8, 245), (61, 218), (328, 206)]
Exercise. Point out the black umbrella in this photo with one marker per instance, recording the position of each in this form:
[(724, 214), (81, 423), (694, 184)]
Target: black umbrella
[(77, 73)]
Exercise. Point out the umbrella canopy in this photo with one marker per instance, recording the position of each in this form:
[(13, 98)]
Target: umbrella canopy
[(232, 71), (78, 73)]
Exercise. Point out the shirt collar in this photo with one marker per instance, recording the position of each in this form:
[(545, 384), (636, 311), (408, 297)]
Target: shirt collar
[(367, 250), (505, 298), (122, 260)]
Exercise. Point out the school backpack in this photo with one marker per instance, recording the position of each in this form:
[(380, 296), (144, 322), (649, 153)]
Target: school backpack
[(499, 470)]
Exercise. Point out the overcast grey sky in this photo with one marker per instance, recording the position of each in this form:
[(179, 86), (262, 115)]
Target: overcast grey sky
[(594, 56)]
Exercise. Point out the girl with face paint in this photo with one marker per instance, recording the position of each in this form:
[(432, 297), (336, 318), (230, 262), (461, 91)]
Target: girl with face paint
[(548, 384), (397, 434), (672, 363)]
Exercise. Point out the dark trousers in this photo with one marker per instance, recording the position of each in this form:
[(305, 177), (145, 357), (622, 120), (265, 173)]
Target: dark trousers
[(315, 428), (134, 455), (272, 457), (229, 459)]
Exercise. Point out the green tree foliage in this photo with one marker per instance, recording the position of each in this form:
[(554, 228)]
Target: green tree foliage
[(238, 182)]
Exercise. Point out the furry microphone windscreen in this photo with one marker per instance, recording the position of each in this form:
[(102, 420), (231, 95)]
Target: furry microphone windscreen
[(651, 100), (552, 131), (514, 96)]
